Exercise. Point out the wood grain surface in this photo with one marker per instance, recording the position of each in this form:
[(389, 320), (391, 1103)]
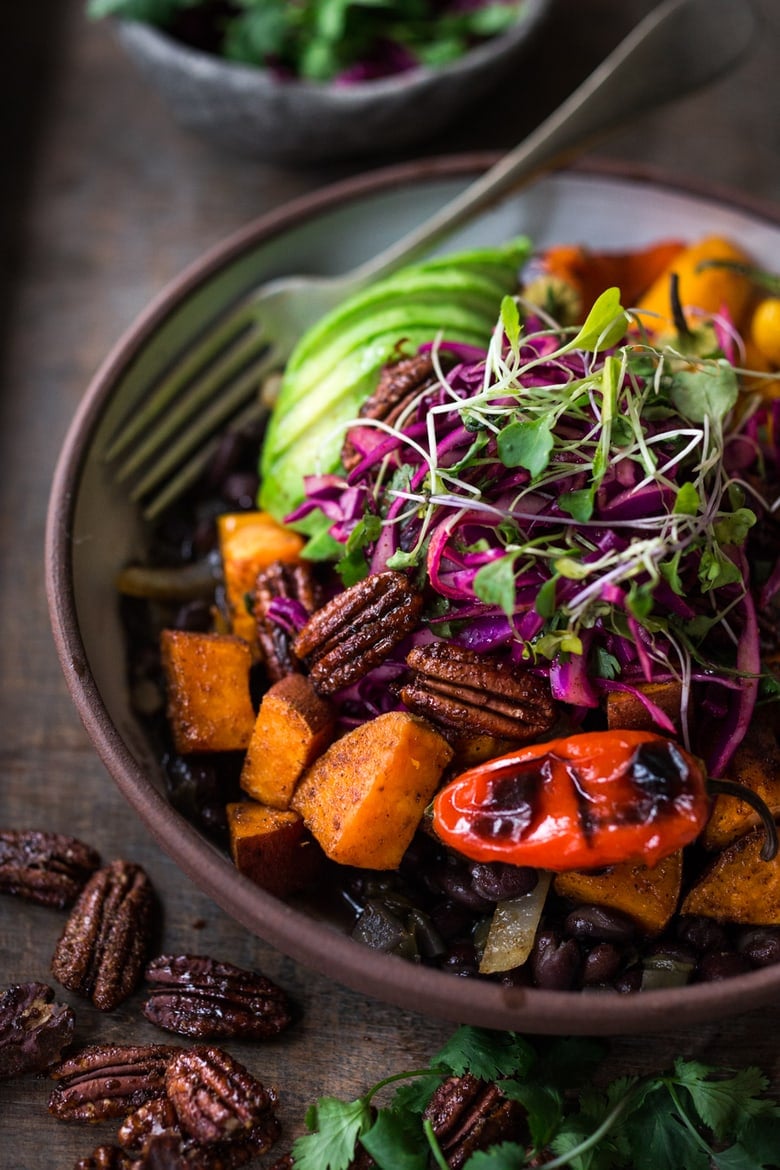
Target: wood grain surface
[(103, 201)]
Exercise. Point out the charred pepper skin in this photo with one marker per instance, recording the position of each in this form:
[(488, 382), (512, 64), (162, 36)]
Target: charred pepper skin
[(581, 802)]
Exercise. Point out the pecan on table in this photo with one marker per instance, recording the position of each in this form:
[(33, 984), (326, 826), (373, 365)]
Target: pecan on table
[(104, 1158), (399, 384), (171, 1152), (357, 630), (48, 868), (109, 1080), (33, 1029), (155, 1117), (217, 1099), (286, 583), (101, 951), (198, 996), (468, 1114), (477, 694)]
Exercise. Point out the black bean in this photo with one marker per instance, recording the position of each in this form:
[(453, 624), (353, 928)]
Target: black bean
[(496, 881), (227, 457), (761, 945), (601, 964), (703, 934), (600, 924), (450, 918), (461, 959), (629, 981), (718, 965), (555, 961), (455, 881)]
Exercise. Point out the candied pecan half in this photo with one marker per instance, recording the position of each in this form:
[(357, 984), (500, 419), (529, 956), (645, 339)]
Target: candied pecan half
[(101, 951), (481, 694), (217, 1099), (33, 1029), (197, 996), (48, 868), (468, 1114), (169, 1151), (357, 630), (109, 1080), (399, 383), (154, 1117), (104, 1158), (291, 583)]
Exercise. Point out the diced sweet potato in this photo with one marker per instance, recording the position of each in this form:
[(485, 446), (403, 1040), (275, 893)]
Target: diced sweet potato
[(364, 798), (272, 848), (649, 896), (249, 542), (294, 726), (208, 699), (739, 886), (627, 712), (756, 764)]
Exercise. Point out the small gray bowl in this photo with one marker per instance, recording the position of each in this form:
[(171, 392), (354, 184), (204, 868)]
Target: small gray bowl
[(251, 111)]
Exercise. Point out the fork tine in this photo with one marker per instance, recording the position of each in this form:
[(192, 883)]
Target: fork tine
[(204, 425), (194, 467), (215, 342), (248, 355)]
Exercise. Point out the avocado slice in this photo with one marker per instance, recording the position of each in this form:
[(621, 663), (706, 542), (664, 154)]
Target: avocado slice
[(335, 365)]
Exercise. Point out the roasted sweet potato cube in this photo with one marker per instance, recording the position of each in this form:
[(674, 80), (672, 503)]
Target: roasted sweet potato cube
[(363, 799), (293, 727), (648, 895), (627, 712), (209, 704), (272, 848), (738, 885), (756, 764), (249, 542)]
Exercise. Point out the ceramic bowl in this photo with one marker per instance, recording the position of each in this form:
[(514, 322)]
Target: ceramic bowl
[(94, 529), (249, 110)]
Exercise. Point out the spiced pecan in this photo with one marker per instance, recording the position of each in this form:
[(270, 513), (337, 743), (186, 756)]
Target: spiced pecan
[(169, 1151), (217, 1099), (154, 1117), (197, 996), (104, 1158), (101, 951), (477, 694), (399, 384), (357, 630), (48, 868), (468, 1114), (109, 1080), (33, 1029), (294, 583)]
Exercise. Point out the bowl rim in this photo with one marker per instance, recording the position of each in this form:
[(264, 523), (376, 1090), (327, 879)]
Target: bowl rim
[(212, 65), (312, 943)]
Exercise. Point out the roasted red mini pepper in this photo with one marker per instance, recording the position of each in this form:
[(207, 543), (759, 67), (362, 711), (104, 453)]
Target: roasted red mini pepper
[(589, 800)]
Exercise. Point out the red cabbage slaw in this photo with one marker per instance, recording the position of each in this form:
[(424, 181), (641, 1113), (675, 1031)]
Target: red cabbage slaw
[(583, 502)]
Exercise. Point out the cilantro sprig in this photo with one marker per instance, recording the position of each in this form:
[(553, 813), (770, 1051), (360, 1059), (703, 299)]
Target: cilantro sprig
[(692, 1117)]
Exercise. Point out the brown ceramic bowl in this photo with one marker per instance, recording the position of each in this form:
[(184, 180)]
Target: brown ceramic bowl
[(94, 529)]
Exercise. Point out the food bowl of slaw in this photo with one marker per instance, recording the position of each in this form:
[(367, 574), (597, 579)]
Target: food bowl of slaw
[(268, 113), (90, 625)]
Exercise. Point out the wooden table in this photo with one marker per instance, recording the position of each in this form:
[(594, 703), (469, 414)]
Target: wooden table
[(104, 200)]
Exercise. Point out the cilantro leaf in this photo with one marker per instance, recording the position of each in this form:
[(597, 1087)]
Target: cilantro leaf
[(506, 1156), (396, 1141), (336, 1126), (657, 1136), (543, 1106), (486, 1054), (720, 1102)]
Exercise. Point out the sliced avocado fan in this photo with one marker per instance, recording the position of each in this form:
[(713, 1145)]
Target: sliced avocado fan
[(335, 366)]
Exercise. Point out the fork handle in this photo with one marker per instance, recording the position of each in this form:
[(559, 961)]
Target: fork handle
[(677, 48)]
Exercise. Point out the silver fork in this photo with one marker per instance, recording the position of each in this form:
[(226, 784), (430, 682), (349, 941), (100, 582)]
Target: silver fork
[(163, 447)]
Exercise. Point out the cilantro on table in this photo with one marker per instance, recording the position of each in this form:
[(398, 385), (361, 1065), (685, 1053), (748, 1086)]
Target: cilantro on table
[(692, 1117), (321, 39)]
